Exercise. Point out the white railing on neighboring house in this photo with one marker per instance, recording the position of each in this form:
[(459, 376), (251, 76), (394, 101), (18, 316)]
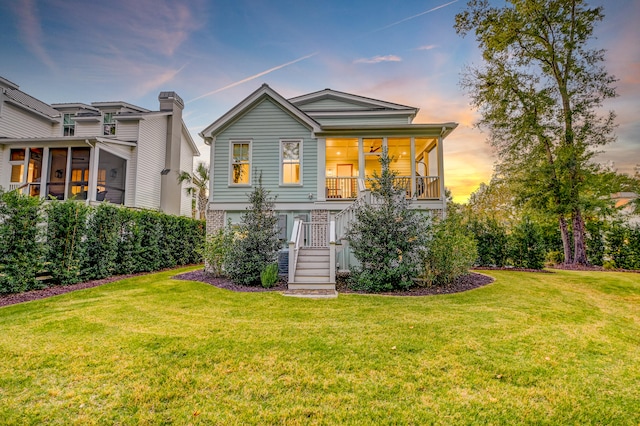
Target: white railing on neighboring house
[(14, 186)]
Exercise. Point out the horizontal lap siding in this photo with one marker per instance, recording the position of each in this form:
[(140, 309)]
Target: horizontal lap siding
[(17, 123), (88, 128), (331, 105), (150, 162), (265, 125), (127, 131)]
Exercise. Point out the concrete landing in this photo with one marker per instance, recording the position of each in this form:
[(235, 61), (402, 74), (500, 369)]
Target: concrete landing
[(311, 293)]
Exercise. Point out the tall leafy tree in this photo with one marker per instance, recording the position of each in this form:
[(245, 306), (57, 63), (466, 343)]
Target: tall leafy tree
[(198, 186), (539, 91)]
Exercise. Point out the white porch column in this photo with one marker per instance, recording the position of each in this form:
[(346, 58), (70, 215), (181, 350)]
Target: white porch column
[(44, 177), (413, 166), (441, 175), (360, 158), (322, 169), (94, 156)]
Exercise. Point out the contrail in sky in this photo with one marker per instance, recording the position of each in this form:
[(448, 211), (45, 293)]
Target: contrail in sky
[(253, 77), (415, 16)]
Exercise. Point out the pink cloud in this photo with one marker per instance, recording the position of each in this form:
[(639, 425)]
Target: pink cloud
[(378, 59)]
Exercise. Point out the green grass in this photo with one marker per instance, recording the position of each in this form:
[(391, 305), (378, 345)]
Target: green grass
[(531, 348)]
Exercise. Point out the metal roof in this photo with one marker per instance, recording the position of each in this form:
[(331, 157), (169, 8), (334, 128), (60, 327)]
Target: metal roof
[(32, 103)]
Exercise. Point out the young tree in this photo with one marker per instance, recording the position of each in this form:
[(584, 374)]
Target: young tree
[(256, 244), (199, 186), (387, 236), (539, 91)]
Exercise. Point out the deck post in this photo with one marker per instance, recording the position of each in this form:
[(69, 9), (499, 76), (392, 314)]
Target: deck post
[(332, 251)]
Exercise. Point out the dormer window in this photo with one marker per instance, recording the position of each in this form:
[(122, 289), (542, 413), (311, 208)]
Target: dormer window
[(109, 124), (68, 125)]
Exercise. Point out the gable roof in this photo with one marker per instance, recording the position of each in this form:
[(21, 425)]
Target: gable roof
[(250, 102), (358, 102)]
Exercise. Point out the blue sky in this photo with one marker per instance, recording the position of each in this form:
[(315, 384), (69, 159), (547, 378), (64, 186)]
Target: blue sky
[(215, 53)]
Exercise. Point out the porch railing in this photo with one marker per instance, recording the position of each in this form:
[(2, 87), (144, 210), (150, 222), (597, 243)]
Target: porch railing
[(427, 187), (341, 188)]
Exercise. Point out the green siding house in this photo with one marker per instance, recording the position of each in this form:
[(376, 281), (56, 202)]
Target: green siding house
[(316, 153)]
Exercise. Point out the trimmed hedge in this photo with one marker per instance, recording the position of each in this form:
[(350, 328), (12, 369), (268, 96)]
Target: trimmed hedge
[(74, 242)]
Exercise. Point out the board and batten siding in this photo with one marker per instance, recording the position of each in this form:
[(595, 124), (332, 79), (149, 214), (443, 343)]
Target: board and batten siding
[(150, 162), (186, 165), (265, 126), (127, 130), (17, 123)]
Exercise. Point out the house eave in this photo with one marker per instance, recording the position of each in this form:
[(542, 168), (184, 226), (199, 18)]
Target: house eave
[(70, 139), (431, 130)]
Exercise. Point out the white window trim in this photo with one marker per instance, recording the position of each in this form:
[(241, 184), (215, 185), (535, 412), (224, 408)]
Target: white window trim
[(71, 125), (230, 162), (113, 123), (281, 160)]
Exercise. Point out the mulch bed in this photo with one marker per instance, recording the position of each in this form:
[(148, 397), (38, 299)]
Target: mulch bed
[(464, 283), (11, 299), (200, 275)]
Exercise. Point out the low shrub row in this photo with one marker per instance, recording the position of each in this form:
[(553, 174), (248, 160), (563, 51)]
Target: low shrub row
[(73, 242)]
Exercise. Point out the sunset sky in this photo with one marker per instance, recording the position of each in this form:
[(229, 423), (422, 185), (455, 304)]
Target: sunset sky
[(215, 53)]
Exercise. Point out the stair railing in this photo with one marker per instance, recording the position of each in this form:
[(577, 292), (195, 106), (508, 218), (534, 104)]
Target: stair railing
[(294, 247)]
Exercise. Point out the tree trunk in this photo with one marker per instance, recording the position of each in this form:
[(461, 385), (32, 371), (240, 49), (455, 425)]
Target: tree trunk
[(579, 248), (566, 239)]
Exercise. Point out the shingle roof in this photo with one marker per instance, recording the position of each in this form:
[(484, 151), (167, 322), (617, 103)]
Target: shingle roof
[(31, 103)]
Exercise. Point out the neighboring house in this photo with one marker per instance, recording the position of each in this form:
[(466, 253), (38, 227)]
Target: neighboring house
[(315, 152), (105, 151), (626, 202)]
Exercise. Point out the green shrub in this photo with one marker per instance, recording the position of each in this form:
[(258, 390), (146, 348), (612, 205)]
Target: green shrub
[(257, 243), (554, 258), (623, 245), (216, 249), (102, 238), (527, 245), (595, 242), (450, 253), (491, 239), (386, 236), (21, 249), (269, 276), (66, 248)]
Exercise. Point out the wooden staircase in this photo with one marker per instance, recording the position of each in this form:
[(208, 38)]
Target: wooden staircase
[(312, 270), (312, 260)]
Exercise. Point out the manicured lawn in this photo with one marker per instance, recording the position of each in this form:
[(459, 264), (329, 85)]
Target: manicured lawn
[(560, 348)]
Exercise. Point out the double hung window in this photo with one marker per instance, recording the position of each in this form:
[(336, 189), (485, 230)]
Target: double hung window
[(290, 154), (109, 124), (68, 125), (240, 162)]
